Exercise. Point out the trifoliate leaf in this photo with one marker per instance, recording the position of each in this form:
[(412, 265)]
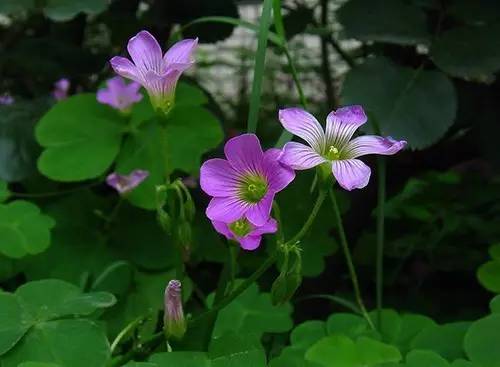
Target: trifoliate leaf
[(23, 229)]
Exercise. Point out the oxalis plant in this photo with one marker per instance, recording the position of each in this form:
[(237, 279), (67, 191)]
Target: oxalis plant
[(137, 136)]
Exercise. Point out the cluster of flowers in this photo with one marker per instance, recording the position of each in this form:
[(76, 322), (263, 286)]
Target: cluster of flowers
[(243, 185)]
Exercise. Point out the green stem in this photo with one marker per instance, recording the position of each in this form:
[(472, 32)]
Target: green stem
[(242, 287), (381, 172), (310, 220), (260, 59), (347, 254)]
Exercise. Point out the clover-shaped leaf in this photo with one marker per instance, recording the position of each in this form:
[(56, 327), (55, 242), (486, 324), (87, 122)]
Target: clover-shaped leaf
[(37, 323), (23, 229), (81, 139), (253, 313), (416, 105)]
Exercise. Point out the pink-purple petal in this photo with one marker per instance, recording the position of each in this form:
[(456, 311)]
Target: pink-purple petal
[(342, 123), (351, 173), (181, 52), (226, 209), (372, 144), (125, 68), (218, 178), (249, 242), (304, 125), (145, 52), (299, 156), (258, 214), (271, 226), (223, 229), (278, 175), (244, 153)]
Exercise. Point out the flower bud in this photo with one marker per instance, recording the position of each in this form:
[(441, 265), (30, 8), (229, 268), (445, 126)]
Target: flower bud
[(174, 324)]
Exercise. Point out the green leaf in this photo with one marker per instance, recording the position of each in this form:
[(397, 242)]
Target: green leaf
[(416, 105), (468, 52), (4, 191), (421, 358), (189, 95), (69, 343), (392, 21), (180, 359), (347, 324), (253, 313), (52, 298), (38, 364), (18, 148), (233, 350), (14, 322), (116, 278), (145, 149), (494, 251), (489, 275), (495, 304), (75, 236), (339, 350), (81, 138), (191, 132), (141, 364), (63, 10), (481, 341), (318, 242), (23, 229), (446, 340)]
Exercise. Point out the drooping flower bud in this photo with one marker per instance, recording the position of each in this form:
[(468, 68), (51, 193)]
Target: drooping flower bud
[(61, 89), (174, 324), (126, 183)]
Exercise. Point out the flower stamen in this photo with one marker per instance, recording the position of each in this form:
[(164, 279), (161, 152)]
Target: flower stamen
[(253, 188), (332, 153)]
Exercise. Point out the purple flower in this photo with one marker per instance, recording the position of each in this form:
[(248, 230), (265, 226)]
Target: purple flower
[(119, 95), (156, 72), (334, 147), (6, 99), (247, 234), (125, 183), (244, 184), (61, 88), (174, 323)]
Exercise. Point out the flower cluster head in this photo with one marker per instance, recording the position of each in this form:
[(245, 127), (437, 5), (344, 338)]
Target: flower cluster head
[(61, 89), (126, 183), (242, 187), (6, 99), (119, 95), (174, 323), (334, 147), (156, 72)]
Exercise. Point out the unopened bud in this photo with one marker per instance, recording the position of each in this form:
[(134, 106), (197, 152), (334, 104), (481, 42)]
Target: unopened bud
[(174, 324)]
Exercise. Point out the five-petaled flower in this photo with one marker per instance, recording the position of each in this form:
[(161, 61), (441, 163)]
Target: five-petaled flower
[(61, 89), (126, 183), (119, 95), (334, 146), (247, 234), (156, 72), (244, 184)]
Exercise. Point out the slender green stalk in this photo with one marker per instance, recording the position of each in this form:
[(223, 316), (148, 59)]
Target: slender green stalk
[(277, 216), (310, 220), (381, 173), (348, 257), (260, 58)]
